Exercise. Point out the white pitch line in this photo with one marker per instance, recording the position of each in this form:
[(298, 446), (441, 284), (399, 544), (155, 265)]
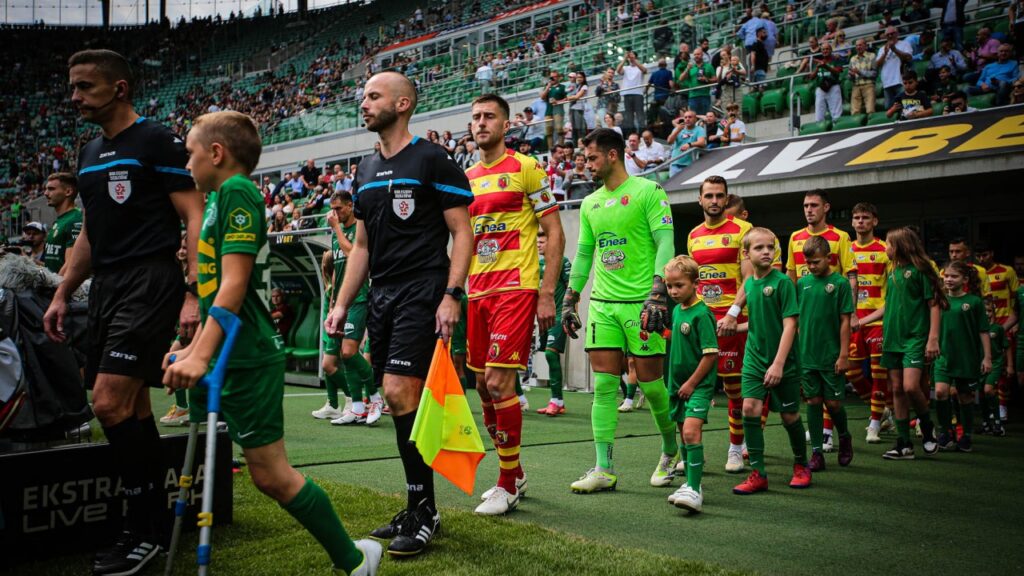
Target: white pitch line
[(296, 395)]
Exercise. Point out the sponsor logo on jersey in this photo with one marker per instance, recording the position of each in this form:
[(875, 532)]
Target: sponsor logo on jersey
[(609, 239), (862, 295), (384, 173), (609, 202), (707, 272), (666, 219), (108, 154), (514, 357), (613, 259), (497, 337), (711, 293), (684, 327), (486, 224), (487, 250)]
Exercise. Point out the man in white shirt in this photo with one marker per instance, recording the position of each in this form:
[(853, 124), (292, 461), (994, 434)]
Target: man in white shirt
[(651, 151), (534, 130), (890, 60), (484, 75), (632, 84), (634, 164)]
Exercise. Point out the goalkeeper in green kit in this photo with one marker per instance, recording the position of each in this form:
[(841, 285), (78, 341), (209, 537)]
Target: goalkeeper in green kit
[(627, 225)]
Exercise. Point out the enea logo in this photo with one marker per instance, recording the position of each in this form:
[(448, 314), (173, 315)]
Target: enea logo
[(486, 224), (609, 239), (711, 273)]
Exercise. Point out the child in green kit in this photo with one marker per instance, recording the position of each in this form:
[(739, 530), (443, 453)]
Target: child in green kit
[(1002, 363), (224, 147), (826, 304), (770, 361), (966, 353), (693, 354)]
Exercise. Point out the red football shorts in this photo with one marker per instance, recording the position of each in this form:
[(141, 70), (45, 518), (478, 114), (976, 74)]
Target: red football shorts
[(866, 342), (730, 349), (499, 328)]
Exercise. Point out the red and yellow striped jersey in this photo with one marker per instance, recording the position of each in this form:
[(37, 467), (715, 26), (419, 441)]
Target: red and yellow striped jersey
[(1003, 283), (510, 198), (841, 257), (718, 251), (872, 267)]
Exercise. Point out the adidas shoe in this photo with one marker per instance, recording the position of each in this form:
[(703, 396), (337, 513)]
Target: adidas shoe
[(689, 499), (753, 484), (900, 451), (827, 446), (520, 488), (734, 462), (175, 416), (626, 406), (374, 412), (664, 472), (350, 417), (498, 502), (372, 553), (129, 555), (417, 531), (873, 437), (327, 412), (392, 528), (594, 481), (801, 477)]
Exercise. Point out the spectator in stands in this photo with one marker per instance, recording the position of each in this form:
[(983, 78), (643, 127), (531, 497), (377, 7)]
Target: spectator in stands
[(911, 103), (534, 130), (957, 104), (916, 16), (525, 149), (607, 93), (33, 236), (293, 184), (759, 57), (731, 75), (282, 314), (998, 77), (576, 94), (773, 31), (890, 60), (550, 40), (722, 55), (650, 150), (862, 73), (716, 133), (828, 95), (945, 86), (632, 71), (484, 75), (663, 38), (986, 52), (634, 164), (842, 49), (1017, 95), (953, 20), (578, 182), (661, 80), (310, 176), (697, 78), (341, 181), (279, 222), (747, 32), (687, 31), (735, 127), (831, 31), (686, 136), (609, 122), (553, 94), (946, 56), (921, 44)]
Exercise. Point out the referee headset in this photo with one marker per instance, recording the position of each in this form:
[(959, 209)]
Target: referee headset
[(118, 93)]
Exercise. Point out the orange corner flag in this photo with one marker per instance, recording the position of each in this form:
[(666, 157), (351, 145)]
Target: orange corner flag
[(444, 432)]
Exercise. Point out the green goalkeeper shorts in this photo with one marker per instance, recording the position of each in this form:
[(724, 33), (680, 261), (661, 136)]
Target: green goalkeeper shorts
[(616, 326)]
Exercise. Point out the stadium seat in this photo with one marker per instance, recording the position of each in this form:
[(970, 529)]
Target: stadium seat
[(806, 95), (751, 104), (816, 127), (938, 108), (982, 101), (306, 334), (847, 122), (880, 118), (773, 102), (920, 68)]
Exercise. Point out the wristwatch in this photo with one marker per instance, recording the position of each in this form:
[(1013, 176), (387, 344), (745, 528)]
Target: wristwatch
[(455, 292), (192, 288)]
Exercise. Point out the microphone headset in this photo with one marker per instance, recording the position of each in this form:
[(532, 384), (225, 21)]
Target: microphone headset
[(118, 92)]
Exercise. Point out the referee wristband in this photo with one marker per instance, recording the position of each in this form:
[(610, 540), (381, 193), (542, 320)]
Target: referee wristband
[(734, 311)]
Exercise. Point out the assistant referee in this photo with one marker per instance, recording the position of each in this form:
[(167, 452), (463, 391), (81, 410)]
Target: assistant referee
[(136, 192)]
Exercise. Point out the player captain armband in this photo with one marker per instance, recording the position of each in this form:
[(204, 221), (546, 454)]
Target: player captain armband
[(734, 311)]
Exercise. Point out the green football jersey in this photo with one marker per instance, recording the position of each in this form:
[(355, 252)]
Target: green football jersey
[(694, 334), (619, 224), (233, 224), (959, 338), (340, 259), (822, 302), (561, 284), (61, 237), (999, 343), (1020, 312), (907, 321), (769, 300)]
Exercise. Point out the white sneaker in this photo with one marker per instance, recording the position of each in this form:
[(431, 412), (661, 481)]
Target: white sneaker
[(372, 552), (689, 499), (873, 437), (664, 472), (350, 417), (499, 502), (626, 406), (638, 402), (827, 445), (734, 462), (681, 467), (175, 416), (374, 412), (672, 497), (524, 406), (520, 488), (807, 436), (328, 412), (594, 481), (917, 429)]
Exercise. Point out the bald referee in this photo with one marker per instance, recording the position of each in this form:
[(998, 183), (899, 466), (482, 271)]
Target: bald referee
[(410, 197), (136, 194)]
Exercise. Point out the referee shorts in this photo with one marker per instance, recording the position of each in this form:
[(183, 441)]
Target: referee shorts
[(133, 311), (401, 323)]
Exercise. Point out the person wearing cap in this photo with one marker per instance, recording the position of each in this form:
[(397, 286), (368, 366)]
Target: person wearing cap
[(33, 236)]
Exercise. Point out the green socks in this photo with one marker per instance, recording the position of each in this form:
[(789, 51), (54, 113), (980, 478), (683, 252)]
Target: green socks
[(312, 508), (839, 421), (815, 425), (657, 398), (754, 436), (554, 373), (361, 385), (631, 391), (694, 465), (336, 382), (944, 412), (903, 429), (795, 430), (967, 418), (604, 417), (181, 398)]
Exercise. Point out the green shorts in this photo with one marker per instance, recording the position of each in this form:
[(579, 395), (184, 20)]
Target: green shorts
[(459, 337), (355, 322), (616, 326), (555, 338), (962, 385), (992, 378), (251, 404), (784, 398), (824, 383), (697, 406), (901, 360)]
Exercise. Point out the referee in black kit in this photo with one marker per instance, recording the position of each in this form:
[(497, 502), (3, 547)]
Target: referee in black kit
[(409, 198), (136, 193)]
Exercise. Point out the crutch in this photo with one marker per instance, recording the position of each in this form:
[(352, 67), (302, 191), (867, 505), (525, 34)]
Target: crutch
[(213, 382)]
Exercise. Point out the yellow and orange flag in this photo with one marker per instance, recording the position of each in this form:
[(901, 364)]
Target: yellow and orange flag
[(444, 431)]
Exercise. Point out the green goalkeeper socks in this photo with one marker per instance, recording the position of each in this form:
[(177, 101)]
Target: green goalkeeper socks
[(312, 508), (795, 430), (694, 465), (815, 425), (554, 373), (754, 436), (657, 399), (181, 398), (604, 417)]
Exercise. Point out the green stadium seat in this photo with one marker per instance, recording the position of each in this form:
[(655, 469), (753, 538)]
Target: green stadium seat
[(921, 67), (880, 118), (306, 334), (751, 104), (816, 127), (847, 122), (938, 108), (982, 102), (773, 102), (806, 95)]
